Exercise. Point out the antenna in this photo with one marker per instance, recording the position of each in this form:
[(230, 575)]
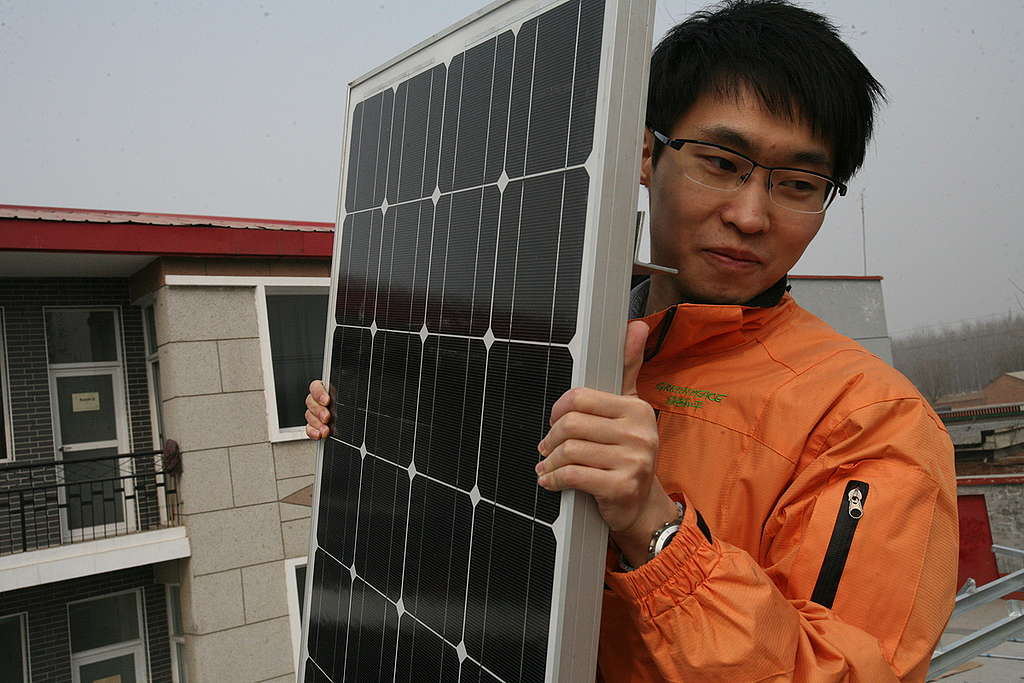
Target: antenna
[(863, 233)]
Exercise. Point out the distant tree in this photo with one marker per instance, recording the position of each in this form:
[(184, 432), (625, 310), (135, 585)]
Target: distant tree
[(960, 358)]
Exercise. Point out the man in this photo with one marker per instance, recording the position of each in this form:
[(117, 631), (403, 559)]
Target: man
[(781, 503)]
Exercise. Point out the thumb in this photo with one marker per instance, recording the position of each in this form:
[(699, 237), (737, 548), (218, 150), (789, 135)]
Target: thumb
[(633, 355)]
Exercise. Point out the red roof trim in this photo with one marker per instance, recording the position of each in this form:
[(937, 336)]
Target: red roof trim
[(988, 481), (140, 238), (105, 216)]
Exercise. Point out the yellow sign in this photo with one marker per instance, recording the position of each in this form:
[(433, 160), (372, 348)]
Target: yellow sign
[(116, 678), (85, 402)]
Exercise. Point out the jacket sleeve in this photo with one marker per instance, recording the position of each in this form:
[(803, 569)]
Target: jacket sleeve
[(708, 611)]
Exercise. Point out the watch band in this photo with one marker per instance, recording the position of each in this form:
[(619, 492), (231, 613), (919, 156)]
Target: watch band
[(664, 534), (660, 539)]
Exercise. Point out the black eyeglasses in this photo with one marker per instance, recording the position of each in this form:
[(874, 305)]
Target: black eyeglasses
[(726, 170)]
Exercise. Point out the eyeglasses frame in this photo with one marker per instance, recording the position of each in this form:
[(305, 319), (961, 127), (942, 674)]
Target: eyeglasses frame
[(677, 144)]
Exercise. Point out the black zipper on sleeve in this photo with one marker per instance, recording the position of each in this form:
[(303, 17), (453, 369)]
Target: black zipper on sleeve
[(850, 511)]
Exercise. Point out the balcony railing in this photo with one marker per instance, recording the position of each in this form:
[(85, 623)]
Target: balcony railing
[(54, 503)]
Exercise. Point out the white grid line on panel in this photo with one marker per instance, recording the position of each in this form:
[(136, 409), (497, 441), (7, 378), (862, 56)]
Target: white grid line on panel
[(440, 128), (320, 668), (359, 147), (412, 616), (519, 179), (401, 151), (572, 91), (529, 110), (387, 157)]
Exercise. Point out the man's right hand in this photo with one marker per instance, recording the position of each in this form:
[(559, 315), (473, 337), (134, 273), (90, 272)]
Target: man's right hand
[(318, 416)]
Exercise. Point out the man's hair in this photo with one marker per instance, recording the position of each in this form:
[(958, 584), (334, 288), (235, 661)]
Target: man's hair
[(790, 58)]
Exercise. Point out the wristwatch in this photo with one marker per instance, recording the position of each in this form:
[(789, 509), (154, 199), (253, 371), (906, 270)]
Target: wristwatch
[(660, 539), (664, 534)]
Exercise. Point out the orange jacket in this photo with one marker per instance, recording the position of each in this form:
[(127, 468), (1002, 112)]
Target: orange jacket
[(788, 443)]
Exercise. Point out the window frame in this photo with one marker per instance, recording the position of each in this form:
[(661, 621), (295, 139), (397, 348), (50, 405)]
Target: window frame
[(152, 372), (174, 639), (8, 454), (26, 658), (275, 432), (138, 646), (294, 615)]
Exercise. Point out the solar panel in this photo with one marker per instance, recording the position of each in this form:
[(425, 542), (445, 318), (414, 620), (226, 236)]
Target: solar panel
[(480, 270)]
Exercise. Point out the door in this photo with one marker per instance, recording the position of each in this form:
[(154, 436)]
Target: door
[(126, 665), (90, 423), (976, 558)]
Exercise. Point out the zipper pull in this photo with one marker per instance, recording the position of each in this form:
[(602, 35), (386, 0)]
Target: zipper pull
[(856, 498)]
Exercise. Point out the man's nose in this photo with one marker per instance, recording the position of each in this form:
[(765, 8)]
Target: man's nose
[(748, 207)]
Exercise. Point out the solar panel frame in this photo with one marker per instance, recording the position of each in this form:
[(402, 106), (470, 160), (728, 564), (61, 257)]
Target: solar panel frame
[(596, 346)]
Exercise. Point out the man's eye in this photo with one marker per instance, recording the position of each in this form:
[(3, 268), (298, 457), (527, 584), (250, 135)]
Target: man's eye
[(720, 164), (801, 185)]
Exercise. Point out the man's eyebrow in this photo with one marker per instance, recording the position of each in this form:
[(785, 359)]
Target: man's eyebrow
[(729, 137)]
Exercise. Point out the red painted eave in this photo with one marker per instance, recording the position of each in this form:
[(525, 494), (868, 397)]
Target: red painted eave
[(19, 234)]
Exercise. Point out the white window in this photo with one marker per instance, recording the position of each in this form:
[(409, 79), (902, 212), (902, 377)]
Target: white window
[(295, 580), (6, 436), (14, 649), (293, 323), (176, 634), (108, 639), (156, 415)]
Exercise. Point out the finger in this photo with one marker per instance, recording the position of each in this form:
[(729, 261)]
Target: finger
[(319, 426), (583, 427), (590, 480), (576, 452), (319, 392), (317, 410), (591, 402), (633, 355), (312, 433)]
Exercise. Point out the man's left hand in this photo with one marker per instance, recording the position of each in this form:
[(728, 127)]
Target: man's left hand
[(606, 445)]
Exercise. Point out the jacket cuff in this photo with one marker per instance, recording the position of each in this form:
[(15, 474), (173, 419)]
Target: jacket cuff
[(681, 567)]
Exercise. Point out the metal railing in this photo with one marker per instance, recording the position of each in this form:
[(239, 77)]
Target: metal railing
[(987, 637), (58, 502)]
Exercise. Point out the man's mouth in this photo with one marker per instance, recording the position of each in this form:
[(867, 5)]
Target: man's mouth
[(735, 258)]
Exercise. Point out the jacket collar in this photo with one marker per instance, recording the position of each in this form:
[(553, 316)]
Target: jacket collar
[(703, 329)]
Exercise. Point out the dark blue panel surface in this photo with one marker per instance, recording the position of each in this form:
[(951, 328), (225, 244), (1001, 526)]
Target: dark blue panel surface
[(456, 297), (451, 392)]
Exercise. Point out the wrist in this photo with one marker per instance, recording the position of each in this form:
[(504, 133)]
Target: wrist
[(635, 542)]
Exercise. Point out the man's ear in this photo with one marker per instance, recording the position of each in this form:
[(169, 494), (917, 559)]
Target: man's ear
[(646, 159)]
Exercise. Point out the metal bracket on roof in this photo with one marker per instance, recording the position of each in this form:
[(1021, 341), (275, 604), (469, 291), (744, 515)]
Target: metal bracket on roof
[(641, 266)]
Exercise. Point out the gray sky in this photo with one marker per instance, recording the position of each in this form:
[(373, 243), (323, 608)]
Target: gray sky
[(236, 109)]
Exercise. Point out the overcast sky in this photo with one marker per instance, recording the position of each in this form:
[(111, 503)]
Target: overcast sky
[(236, 108)]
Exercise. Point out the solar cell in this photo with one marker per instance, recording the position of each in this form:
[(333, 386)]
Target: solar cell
[(477, 276)]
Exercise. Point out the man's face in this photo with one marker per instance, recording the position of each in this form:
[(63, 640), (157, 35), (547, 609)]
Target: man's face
[(728, 246)]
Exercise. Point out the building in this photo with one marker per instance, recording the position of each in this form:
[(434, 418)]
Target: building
[(1004, 389), (851, 304), (121, 331)]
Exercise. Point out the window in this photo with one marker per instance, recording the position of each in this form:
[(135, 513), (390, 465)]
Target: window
[(295, 327), (107, 639), (295, 581), (176, 634), (81, 336), (6, 437), (153, 373), (14, 649)]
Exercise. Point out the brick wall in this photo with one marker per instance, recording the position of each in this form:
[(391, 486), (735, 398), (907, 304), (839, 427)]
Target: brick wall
[(23, 301), (46, 605)]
